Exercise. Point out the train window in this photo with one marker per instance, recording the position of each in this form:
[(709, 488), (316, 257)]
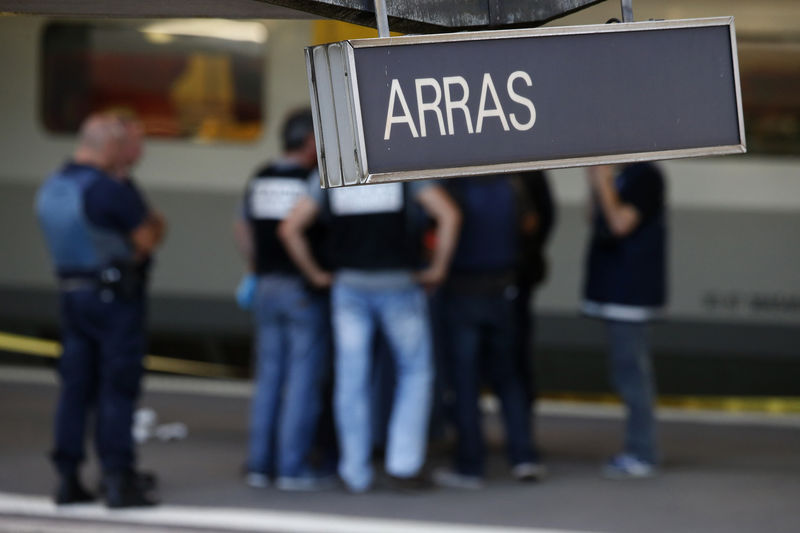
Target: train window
[(770, 74), (189, 78)]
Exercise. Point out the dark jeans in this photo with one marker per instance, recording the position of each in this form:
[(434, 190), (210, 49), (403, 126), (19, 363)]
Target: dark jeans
[(101, 370), (526, 337), (480, 337)]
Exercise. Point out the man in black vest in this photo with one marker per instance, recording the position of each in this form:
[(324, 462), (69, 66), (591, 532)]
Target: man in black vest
[(290, 319), (374, 237)]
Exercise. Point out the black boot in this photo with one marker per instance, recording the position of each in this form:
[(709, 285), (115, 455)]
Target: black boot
[(125, 489), (147, 481), (71, 490)]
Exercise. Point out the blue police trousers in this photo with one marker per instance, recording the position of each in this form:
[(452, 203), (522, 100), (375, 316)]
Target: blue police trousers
[(100, 370)]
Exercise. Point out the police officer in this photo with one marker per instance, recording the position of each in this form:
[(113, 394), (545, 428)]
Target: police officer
[(290, 320), (374, 242), (100, 234)]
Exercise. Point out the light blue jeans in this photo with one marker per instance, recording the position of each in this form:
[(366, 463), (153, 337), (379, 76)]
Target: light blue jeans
[(291, 348), (402, 314), (632, 377)]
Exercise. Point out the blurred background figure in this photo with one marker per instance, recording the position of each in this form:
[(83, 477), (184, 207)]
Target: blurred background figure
[(101, 235), (625, 286), (537, 227), (374, 252), (290, 318), (481, 327)]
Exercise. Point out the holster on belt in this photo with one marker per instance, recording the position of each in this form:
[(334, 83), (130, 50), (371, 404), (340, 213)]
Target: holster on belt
[(124, 278)]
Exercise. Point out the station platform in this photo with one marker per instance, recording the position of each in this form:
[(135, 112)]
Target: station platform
[(722, 472)]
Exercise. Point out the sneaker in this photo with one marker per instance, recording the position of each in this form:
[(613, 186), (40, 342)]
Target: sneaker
[(305, 483), (412, 484), (257, 480), (625, 466), (446, 477), (528, 471)]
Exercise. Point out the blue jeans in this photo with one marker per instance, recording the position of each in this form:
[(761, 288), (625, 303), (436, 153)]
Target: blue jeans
[(473, 324), (291, 348), (402, 315), (101, 370), (632, 377)]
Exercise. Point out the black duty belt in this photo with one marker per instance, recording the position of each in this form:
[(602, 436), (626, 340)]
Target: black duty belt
[(477, 284), (77, 284)]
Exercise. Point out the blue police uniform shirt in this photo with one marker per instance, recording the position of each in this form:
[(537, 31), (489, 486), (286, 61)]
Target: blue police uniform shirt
[(626, 276), (87, 217), (115, 205)]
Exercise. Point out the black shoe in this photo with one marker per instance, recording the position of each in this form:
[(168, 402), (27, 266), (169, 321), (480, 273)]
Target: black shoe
[(147, 481), (127, 490), (71, 490)]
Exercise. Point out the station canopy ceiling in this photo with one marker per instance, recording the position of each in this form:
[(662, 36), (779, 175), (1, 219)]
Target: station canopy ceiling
[(406, 16)]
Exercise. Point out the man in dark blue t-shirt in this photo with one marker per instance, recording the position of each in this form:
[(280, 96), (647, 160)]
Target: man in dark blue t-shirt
[(626, 287), (480, 326), (101, 235)]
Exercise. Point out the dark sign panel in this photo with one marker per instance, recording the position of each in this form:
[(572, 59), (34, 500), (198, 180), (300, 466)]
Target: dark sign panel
[(467, 104)]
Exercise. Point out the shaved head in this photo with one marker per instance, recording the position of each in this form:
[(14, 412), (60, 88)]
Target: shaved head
[(110, 141), (99, 141), (100, 130)]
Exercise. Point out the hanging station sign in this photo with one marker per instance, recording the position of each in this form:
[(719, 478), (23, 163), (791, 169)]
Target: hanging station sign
[(467, 104)]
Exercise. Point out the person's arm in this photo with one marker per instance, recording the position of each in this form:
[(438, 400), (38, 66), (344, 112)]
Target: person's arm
[(621, 218), (439, 206), (148, 236), (292, 232)]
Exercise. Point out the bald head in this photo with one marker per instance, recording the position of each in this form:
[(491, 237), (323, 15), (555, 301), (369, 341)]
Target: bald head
[(100, 140)]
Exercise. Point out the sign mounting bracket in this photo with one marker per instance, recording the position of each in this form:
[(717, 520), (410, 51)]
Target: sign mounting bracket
[(627, 10)]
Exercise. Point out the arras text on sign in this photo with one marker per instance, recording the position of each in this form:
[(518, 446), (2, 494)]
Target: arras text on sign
[(444, 105)]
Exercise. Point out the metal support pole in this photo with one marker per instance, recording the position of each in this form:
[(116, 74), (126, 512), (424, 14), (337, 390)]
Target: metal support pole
[(627, 10), (381, 18)]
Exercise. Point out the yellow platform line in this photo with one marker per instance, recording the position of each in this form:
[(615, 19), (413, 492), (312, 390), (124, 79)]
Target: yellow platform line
[(777, 405), (46, 348)]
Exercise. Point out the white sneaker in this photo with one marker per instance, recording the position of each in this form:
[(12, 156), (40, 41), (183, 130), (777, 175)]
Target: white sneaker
[(256, 480), (528, 471), (445, 477), (626, 466)]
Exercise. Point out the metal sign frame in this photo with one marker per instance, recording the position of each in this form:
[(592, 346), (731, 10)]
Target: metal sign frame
[(336, 106)]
